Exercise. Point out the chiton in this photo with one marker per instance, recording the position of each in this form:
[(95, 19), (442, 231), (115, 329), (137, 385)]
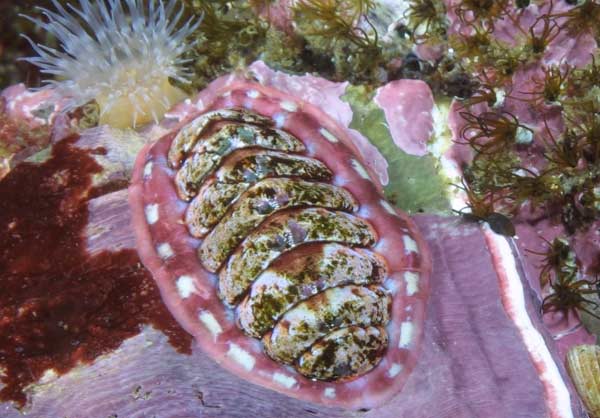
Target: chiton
[(272, 245)]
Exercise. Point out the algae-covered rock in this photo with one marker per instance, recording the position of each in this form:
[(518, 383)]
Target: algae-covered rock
[(416, 184)]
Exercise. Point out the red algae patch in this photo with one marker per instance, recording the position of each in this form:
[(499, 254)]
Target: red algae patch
[(60, 307)]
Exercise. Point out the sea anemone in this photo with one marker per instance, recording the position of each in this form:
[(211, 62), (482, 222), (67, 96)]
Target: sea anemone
[(121, 57)]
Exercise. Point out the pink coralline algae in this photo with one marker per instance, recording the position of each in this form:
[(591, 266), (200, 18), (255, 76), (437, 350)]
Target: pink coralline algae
[(408, 106), (26, 119), (531, 99)]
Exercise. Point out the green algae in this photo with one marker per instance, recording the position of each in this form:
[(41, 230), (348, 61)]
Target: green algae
[(416, 184), (332, 38), (231, 36), (41, 156), (342, 31)]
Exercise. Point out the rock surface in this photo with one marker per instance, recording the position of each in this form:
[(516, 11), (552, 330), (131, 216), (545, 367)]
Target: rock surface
[(473, 362)]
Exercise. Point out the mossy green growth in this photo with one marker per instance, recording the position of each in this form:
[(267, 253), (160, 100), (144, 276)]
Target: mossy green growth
[(427, 21), (334, 39), (415, 185), (231, 36), (14, 46), (40, 157), (340, 38)]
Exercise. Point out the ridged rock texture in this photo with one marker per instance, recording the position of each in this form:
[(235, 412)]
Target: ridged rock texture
[(583, 363)]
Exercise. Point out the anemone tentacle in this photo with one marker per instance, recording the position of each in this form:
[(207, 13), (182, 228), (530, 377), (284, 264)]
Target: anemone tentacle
[(120, 53)]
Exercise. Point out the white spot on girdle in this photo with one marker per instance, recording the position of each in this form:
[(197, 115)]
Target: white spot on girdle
[(381, 245), (279, 119), (395, 369), (328, 135), (360, 169), (310, 147), (151, 213), (406, 334), (388, 208), (241, 356), (148, 169), (391, 285), (185, 286), (284, 380), (329, 393), (410, 245), (165, 250), (253, 94), (339, 181), (412, 282), (288, 105), (364, 211), (211, 323)]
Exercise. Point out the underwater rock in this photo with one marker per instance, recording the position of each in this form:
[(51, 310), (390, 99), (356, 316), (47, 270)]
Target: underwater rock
[(60, 305), (26, 120), (115, 151), (278, 13), (36, 108), (473, 362), (534, 229), (468, 339)]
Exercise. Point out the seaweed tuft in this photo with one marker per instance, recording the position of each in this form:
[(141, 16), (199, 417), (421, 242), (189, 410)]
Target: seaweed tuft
[(343, 31)]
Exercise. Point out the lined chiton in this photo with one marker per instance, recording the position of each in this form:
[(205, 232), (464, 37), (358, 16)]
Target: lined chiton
[(273, 246)]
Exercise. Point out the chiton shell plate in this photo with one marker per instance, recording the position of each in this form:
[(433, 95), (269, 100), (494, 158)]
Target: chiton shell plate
[(172, 250)]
